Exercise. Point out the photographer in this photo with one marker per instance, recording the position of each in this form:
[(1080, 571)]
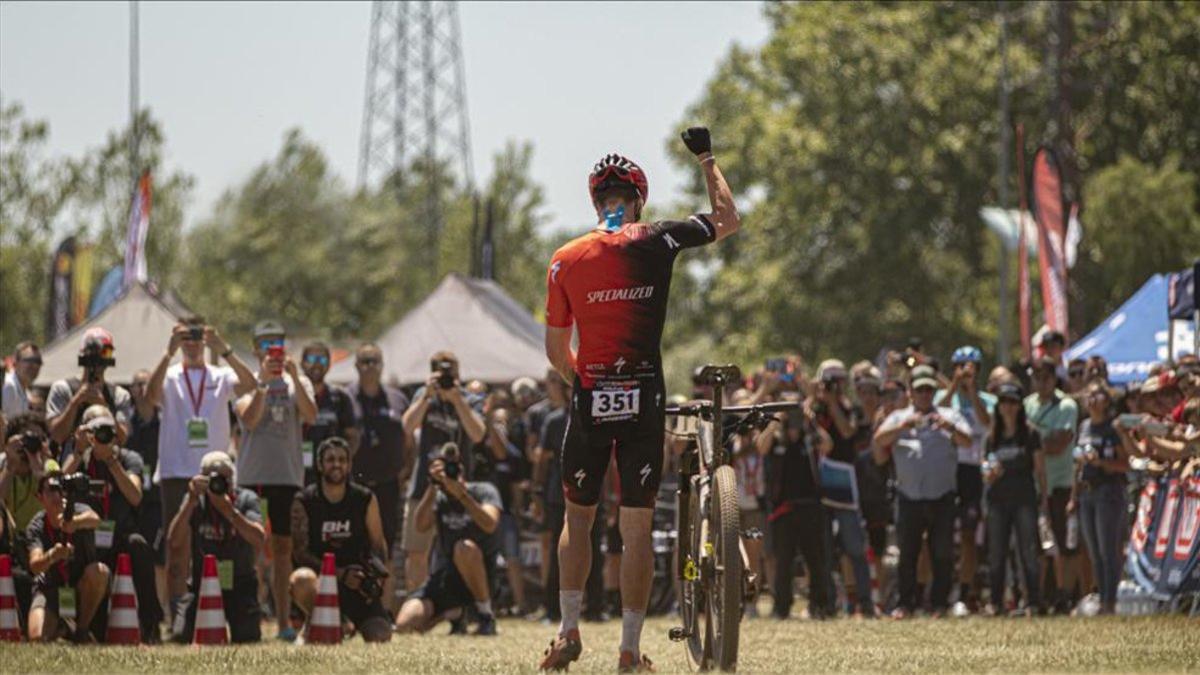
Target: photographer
[(221, 519), (797, 518), (194, 398), (26, 449), (466, 514), (925, 452), (118, 474), (840, 419), (270, 460), (70, 397), (70, 581), (976, 407), (441, 412), (335, 515)]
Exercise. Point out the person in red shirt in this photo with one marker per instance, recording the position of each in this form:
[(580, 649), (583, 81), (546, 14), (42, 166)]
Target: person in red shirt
[(611, 286)]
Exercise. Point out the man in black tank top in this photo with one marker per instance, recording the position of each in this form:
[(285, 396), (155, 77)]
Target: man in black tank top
[(337, 516)]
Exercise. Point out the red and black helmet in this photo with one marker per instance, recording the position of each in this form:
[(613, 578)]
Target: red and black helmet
[(614, 170)]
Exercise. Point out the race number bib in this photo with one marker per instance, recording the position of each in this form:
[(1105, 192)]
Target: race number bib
[(613, 405)]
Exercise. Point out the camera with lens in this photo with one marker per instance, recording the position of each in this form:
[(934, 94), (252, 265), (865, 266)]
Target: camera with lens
[(445, 371), (1085, 453), (374, 574), (196, 333), (78, 487), (218, 484), (451, 461), (104, 434), (31, 442), (95, 357)]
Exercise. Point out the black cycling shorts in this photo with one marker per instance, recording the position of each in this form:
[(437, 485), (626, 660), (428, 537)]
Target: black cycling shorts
[(279, 506), (625, 419)]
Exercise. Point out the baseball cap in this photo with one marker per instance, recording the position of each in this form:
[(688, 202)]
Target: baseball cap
[(524, 385), (966, 353), (868, 376), (924, 376), (268, 328), (96, 338), (1052, 337), (97, 416), (831, 369)]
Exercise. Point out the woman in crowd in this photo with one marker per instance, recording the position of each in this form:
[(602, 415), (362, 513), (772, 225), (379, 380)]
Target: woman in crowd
[(1100, 492), (1014, 459)]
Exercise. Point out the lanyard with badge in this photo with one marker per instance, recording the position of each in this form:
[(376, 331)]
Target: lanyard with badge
[(197, 426), (107, 529), (66, 593)]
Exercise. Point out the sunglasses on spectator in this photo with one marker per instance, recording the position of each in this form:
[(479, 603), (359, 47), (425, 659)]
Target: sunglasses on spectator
[(369, 361), (315, 359), (36, 360), (1075, 373), (267, 343)]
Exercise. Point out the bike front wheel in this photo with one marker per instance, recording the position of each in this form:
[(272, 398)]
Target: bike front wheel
[(725, 593)]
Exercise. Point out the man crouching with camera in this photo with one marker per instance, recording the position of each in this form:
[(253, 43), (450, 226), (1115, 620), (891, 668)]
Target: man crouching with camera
[(70, 581), (466, 515), (335, 515), (220, 519)]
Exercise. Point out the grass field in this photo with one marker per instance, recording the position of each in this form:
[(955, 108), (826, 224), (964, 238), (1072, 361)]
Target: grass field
[(949, 645)]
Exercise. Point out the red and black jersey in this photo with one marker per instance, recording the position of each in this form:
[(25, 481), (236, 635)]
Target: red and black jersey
[(613, 286)]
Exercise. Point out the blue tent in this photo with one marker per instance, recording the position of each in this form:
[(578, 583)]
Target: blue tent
[(1134, 338)]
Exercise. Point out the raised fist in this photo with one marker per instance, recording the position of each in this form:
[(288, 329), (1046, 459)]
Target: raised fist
[(697, 140)]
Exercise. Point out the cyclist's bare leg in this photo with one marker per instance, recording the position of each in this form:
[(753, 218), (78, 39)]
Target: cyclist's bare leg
[(574, 561), (637, 574)]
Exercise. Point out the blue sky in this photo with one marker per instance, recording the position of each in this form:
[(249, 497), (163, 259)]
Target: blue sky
[(228, 79)]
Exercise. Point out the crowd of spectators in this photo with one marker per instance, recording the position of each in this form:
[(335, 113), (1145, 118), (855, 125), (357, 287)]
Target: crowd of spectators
[(999, 492)]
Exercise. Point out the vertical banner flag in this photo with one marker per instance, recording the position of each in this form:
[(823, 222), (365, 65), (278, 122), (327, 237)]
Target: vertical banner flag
[(1022, 255), (1051, 215), (135, 236), (81, 283), (58, 311)]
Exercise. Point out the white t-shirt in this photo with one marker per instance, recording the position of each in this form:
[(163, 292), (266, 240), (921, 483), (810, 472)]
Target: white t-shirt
[(179, 457), (16, 401)]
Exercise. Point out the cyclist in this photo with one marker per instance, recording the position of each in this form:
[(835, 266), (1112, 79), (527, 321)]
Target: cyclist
[(611, 285)]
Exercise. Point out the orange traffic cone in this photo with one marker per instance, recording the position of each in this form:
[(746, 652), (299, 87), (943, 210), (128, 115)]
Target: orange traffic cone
[(210, 610), (10, 626), (123, 627), (325, 622)]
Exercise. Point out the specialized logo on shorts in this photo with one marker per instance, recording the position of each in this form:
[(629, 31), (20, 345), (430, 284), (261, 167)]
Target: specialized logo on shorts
[(579, 476), (619, 363), (671, 243), (645, 473), (610, 294), (554, 268), (335, 529)]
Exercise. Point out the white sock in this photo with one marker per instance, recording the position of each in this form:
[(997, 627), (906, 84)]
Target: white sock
[(631, 631), (569, 602), (484, 607)]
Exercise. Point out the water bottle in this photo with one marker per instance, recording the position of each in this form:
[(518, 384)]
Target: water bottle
[(1073, 531)]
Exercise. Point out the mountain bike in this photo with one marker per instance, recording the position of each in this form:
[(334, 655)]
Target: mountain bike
[(712, 568)]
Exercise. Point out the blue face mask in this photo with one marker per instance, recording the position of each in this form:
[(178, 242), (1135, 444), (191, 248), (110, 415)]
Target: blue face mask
[(614, 219)]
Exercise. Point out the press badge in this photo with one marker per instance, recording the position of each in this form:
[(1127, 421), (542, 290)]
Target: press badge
[(225, 574), (66, 602), (104, 533), (307, 448), (197, 432)]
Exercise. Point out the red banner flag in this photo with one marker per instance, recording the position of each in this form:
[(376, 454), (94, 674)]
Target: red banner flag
[(1022, 255), (1051, 216), (135, 235)]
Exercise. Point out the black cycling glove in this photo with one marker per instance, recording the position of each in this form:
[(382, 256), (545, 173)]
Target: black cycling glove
[(697, 140)]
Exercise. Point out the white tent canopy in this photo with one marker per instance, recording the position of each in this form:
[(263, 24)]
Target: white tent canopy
[(140, 322), (493, 336)]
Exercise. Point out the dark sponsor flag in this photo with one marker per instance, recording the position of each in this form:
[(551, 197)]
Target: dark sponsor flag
[(58, 310), (1181, 292)]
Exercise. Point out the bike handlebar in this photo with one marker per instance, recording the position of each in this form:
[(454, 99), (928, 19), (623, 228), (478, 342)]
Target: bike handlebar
[(699, 407)]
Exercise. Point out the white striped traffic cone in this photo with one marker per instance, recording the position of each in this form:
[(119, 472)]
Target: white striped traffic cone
[(325, 622), (123, 627), (874, 578), (210, 609), (10, 626)]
